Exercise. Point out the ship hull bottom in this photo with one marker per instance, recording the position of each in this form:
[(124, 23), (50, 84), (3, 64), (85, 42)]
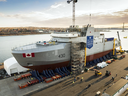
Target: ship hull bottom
[(97, 55), (40, 68), (89, 58)]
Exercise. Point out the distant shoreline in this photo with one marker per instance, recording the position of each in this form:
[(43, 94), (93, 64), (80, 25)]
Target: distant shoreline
[(23, 34)]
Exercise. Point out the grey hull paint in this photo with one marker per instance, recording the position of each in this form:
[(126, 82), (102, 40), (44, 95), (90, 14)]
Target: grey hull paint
[(55, 55), (52, 54)]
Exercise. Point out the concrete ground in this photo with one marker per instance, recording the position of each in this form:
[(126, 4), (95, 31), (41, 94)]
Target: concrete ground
[(2, 67), (9, 87), (98, 83)]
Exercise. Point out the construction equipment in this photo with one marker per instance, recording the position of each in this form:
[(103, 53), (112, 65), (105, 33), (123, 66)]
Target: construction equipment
[(98, 73), (108, 73), (121, 51), (74, 1)]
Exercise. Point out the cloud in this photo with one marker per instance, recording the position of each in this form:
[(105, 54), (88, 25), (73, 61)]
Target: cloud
[(2, 15), (98, 19), (3, 0), (56, 5), (62, 18)]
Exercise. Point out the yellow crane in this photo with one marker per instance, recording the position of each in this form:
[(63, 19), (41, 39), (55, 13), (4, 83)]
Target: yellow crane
[(121, 51)]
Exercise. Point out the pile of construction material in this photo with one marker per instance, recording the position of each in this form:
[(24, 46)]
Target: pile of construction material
[(102, 65)]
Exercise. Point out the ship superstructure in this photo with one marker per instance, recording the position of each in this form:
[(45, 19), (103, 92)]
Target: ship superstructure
[(56, 52)]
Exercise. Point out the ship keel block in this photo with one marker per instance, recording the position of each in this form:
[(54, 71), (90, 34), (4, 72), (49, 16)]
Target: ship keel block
[(104, 58), (100, 59), (95, 62), (87, 64), (107, 56)]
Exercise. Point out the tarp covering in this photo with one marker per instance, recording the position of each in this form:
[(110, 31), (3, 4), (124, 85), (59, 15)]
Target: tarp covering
[(12, 66), (102, 65)]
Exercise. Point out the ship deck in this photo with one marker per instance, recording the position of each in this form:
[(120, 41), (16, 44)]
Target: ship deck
[(9, 87)]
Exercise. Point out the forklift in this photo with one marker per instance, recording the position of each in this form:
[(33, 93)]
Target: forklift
[(108, 73), (97, 73)]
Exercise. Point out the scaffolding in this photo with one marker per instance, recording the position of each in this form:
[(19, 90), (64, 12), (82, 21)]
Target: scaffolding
[(77, 58)]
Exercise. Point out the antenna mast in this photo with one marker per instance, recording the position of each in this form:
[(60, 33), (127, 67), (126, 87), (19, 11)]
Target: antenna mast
[(73, 16)]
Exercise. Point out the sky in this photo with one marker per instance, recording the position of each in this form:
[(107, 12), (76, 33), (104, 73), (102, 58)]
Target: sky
[(58, 13)]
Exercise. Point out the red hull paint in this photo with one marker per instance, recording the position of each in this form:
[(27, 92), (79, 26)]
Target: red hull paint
[(40, 68), (98, 55), (89, 58)]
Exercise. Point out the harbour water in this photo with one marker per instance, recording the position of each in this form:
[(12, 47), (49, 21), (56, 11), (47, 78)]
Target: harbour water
[(9, 42)]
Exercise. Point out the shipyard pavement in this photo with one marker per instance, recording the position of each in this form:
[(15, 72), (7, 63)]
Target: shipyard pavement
[(118, 69)]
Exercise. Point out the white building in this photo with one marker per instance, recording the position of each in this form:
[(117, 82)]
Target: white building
[(12, 66)]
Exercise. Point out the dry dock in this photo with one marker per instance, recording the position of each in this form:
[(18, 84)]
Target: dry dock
[(9, 87)]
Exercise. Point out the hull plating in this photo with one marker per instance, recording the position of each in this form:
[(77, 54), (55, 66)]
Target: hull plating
[(42, 67)]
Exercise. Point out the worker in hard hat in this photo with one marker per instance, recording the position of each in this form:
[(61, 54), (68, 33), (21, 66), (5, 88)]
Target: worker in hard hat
[(73, 82), (113, 78), (81, 79)]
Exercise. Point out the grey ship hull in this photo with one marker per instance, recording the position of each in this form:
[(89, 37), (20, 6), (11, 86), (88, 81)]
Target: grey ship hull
[(48, 57), (54, 56), (57, 54)]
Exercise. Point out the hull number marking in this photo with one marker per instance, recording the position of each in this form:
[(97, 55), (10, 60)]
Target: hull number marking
[(61, 56)]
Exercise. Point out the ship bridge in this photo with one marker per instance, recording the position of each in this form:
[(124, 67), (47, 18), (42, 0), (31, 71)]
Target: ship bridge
[(75, 37)]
